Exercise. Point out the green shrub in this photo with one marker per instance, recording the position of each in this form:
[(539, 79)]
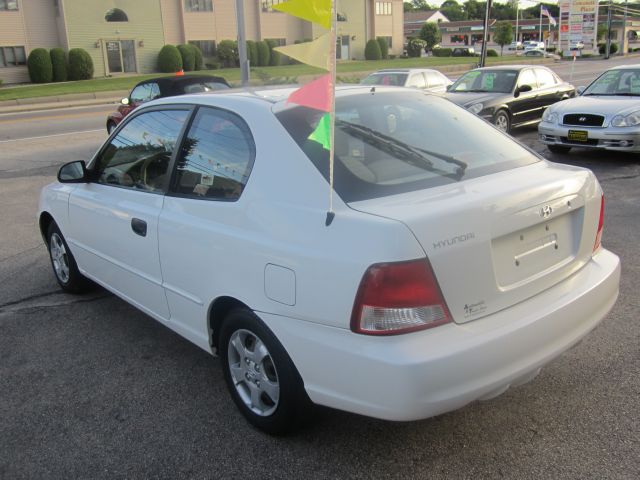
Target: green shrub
[(441, 52), (228, 53), (491, 53), (212, 64), (372, 50), (274, 57), (263, 53), (252, 53), (392, 57), (384, 47), (415, 47), (59, 64), (169, 59), (199, 60), (602, 48), (188, 58), (551, 49), (80, 64), (40, 68)]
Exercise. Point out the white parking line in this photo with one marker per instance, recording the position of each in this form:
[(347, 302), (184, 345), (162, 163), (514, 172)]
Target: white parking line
[(55, 135)]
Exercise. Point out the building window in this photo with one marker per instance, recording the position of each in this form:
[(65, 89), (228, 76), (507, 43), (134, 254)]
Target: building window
[(12, 57), (341, 17), (8, 5), (383, 8), (207, 47), (198, 6), (267, 4), (116, 15)]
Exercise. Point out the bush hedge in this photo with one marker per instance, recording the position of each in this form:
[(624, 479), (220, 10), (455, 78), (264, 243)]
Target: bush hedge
[(602, 48), (415, 47), (384, 47), (188, 57), (263, 53), (59, 64), (492, 53), (228, 53), (169, 59), (441, 52), (274, 57), (252, 53), (372, 50), (80, 64), (199, 63), (39, 64)]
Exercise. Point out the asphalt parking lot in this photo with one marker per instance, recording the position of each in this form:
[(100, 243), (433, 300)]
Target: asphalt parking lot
[(92, 388)]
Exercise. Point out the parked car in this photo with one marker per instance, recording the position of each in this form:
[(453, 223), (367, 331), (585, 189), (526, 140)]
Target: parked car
[(164, 87), (423, 78), (509, 96), (532, 46), (541, 54), (446, 270), (605, 116), (463, 52), (515, 46)]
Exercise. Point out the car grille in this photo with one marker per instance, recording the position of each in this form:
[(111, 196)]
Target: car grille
[(583, 120)]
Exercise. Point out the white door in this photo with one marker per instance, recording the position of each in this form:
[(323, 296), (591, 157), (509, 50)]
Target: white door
[(114, 219)]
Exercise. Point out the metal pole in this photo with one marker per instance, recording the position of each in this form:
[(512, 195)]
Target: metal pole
[(517, 18), (242, 43), (625, 38), (483, 55), (540, 23), (608, 31)]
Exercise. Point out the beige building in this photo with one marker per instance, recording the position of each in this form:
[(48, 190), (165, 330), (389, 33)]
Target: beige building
[(125, 36)]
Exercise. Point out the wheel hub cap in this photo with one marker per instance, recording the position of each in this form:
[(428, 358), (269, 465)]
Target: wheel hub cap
[(59, 258)]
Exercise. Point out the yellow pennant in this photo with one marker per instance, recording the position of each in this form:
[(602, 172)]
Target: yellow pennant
[(316, 53), (316, 11)]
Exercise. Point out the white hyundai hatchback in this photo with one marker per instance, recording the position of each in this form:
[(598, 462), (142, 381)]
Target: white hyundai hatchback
[(458, 262)]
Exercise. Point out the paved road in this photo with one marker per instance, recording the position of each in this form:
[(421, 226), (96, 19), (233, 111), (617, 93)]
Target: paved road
[(92, 388)]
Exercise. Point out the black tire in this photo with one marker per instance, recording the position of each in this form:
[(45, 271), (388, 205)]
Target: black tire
[(502, 121), (111, 126), (292, 407), (64, 265), (558, 148)]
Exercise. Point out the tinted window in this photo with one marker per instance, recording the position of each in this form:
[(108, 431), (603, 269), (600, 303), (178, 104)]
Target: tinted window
[(501, 81), (527, 77), (394, 142), (138, 157), (204, 87), (395, 79), (142, 93), (216, 158), (545, 78)]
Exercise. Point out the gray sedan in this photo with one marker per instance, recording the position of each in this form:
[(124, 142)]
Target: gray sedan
[(605, 116)]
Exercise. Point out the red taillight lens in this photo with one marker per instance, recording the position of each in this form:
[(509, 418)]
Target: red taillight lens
[(596, 245), (398, 298)]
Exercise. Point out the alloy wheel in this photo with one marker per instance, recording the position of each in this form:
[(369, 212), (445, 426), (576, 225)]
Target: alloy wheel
[(59, 258)]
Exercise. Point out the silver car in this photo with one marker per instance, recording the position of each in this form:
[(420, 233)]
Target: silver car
[(606, 115), (424, 78)]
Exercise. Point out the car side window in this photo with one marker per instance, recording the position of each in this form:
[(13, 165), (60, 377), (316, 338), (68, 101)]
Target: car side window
[(527, 77), (216, 157), (434, 80), (417, 80), (139, 155), (142, 93), (545, 78), (154, 91)]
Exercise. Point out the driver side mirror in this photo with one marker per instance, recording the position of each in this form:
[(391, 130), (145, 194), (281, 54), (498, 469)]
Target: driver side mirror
[(449, 87), (124, 101), (73, 172), (580, 90), (521, 89)]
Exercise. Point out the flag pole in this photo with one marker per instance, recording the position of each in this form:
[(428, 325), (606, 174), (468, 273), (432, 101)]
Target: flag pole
[(541, 22), (332, 114)]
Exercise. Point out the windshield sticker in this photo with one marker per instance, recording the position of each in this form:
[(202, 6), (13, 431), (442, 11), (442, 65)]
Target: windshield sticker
[(635, 85), (487, 82)]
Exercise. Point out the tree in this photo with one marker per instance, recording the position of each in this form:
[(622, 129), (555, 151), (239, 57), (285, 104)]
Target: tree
[(602, 32), (474, 10), (503, 34), (430, 33), (453, 11)]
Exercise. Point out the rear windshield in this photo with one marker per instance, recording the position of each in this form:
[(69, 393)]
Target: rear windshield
[(393, 79), (204, 87), (394, 142)]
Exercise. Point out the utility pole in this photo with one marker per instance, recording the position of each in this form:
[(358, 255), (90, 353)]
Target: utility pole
[(517, 19), (625, 38), (608, 32), (242, 43), (483, 55)]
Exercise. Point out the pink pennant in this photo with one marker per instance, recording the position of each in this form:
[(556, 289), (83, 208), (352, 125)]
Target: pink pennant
[(315, 94)]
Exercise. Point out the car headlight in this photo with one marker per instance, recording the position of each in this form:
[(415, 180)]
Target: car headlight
[(631, 120), (549, 116), (476, 108)]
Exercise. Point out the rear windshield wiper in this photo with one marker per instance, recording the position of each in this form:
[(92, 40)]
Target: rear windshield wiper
[(412, 155)]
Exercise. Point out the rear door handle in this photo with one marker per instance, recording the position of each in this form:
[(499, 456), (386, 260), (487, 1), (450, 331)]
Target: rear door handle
[(139, 227)]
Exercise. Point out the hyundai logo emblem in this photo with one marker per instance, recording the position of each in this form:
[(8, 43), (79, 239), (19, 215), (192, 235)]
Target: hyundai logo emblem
[(545, 212), (583, 119)]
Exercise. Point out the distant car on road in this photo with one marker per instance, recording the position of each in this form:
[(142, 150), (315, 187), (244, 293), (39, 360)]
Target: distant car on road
[(509, 96), (515, 46), (423, 78), (533, 46), (605, 116), (463, 52), (541, 54), (164, 87)]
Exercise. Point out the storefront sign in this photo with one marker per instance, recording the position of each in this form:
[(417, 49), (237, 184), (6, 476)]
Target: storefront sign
[(578, 25)]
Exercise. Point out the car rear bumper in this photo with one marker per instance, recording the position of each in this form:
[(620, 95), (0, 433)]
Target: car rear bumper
[(422, 374), (622, 139)]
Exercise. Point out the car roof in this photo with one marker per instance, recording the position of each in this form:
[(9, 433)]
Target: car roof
[(509, 67), (171, 81), (626, 67), (404, 70)]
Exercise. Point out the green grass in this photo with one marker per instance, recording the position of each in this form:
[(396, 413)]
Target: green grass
[(262, 74)]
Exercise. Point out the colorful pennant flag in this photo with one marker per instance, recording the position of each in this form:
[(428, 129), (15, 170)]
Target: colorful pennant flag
[(314, 53), (322, 133), (317, 94), (316, 11)]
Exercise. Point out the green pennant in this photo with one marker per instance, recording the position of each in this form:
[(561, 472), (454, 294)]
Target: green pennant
[(322, 133)]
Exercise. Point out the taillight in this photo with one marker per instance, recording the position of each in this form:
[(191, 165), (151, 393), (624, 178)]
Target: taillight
[(396, 298), (596, 246)]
